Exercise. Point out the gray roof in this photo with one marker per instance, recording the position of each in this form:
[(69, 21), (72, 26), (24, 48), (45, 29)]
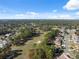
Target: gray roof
[(3, 43)]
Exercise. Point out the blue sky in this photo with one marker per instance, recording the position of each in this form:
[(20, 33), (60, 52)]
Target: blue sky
[(39, 9)]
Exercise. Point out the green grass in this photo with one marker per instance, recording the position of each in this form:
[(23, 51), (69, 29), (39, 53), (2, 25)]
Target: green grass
[(28, 45)]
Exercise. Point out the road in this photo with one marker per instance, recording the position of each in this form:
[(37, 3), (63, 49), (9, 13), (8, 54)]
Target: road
[(66, 42), (67, 38)]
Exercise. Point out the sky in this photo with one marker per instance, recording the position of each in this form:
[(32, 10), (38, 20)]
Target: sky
[(39, 9)]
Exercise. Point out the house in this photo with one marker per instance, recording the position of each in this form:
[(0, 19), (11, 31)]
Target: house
[(4, 48), (58, 41), (64, 56)]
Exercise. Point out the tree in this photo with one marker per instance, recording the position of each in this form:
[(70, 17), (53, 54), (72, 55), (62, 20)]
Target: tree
[(37, 54), (43, 50), (21, 35), (50, 36), (25, 32), (77, 55), (49, 50)]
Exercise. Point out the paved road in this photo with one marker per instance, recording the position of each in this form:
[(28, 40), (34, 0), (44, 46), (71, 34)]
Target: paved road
[(66, 42), (67, 38)]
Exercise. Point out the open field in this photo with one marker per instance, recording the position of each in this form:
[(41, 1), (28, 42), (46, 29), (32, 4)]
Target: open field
[(28, 45)]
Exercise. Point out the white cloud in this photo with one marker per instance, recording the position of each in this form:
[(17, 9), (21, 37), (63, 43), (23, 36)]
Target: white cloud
[(27, 15), (65, 16), (72, 5), (35, 15), (77, 13)]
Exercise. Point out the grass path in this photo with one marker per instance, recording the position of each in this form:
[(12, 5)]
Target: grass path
[(28, 45)]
